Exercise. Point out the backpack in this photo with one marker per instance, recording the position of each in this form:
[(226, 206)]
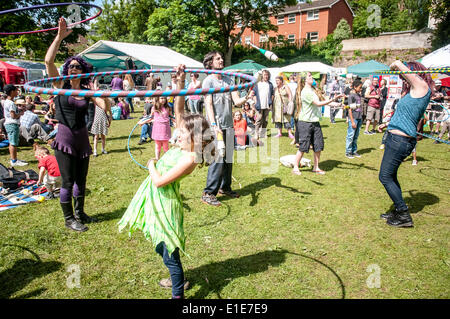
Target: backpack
[(11, 178)]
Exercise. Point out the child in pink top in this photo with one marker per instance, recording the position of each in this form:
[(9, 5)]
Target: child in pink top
[(161, 125)]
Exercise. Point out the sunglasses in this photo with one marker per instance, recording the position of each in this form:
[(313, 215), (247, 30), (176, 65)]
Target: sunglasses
[(75, 66)]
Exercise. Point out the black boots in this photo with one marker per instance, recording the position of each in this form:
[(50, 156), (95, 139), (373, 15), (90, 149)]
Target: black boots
[(80, 215), (400, 219), (71, 222)]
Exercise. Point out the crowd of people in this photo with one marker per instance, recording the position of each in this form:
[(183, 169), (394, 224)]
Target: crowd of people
[(238, 120)]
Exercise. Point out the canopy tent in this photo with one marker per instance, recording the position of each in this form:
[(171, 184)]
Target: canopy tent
[(368, 68), (314, 67), (111, 56), (12, 74), (246, 66), (34, 70), (437, 59)]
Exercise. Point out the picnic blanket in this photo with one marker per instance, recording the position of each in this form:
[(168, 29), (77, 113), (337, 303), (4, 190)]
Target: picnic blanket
[(21, 196)]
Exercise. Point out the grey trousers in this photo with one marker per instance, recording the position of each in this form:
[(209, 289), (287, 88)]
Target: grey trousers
[(36, 132)]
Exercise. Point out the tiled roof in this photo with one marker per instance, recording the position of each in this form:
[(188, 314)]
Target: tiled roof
[(318, 4)]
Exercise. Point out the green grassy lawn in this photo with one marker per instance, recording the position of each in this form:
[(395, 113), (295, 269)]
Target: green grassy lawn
[(287, 236)]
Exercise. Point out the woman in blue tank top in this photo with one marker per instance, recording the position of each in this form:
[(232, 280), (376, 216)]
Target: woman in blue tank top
[(401, 136)]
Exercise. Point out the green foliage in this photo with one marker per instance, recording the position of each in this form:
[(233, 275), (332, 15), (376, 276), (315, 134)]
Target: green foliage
[(342, 31), (202, 24), (179, 27), (441, 12), (394, 15), (327, 49), (36, 45), (123, 20)]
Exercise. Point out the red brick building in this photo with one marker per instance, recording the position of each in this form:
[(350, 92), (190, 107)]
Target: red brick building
[(312, 21)]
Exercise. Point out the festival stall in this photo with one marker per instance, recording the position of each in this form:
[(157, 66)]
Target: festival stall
[(111, 56), (34, 70), (246, 66), (438, 59), (12, 74)]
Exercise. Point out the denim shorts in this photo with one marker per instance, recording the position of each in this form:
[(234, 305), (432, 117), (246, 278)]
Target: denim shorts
[(13, 134)]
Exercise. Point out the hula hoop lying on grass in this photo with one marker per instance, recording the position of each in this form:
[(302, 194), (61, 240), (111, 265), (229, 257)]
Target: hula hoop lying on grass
[(31, 86), (50, 5)]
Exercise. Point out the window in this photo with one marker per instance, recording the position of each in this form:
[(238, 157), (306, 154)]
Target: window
[(312, 36), (280, 19), (239, 24), (291, 38), (248, 39), (280, 39), (313, 15), (263, 38), (291, 18)]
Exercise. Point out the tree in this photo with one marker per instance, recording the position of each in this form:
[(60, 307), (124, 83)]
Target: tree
[(342, 31), (35, 45), (213, 22), (123, 20), (183, 28), (373, 17), (440, 12)]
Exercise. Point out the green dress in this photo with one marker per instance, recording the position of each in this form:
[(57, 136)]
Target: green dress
[(158, 212)]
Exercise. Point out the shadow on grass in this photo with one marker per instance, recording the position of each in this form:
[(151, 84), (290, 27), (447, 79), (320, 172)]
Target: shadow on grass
[(416, 201), (329, 165), (267, 182), (117, 214), (366, 150), (213, 277), (23, 272)]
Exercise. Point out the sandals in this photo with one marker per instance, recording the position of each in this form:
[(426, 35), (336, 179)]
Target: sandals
[(295, 172), (319, 172)]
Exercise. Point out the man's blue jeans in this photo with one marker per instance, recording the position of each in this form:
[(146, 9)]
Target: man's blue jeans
[(351, 144), (146, 131), (173, 263), (219, 172), (396, 149)]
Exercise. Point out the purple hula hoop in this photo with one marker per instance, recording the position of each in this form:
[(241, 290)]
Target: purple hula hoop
[(31, 86), (50, 5)]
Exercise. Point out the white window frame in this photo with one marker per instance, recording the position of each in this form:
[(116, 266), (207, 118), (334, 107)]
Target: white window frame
[(280, 19), (290, 17), (239, 24), (263, 38), (280, 40), (291, 38), (248, 39), (315, 15), (308, 36)]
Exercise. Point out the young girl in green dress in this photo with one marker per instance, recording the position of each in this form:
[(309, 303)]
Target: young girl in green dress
[(156, 208)]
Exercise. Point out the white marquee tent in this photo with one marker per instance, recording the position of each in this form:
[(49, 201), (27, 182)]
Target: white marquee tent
[(309, 67), (437, 59), (111, 56)]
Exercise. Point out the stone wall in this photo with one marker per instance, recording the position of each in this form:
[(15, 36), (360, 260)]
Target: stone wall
[(407, 46)]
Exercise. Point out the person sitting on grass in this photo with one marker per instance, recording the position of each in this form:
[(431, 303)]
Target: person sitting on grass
[(157, 207), (12, 122), (47, 163), (125, 109)]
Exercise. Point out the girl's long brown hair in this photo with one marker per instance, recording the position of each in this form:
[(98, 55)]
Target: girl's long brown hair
[(158, 105), (202, 136)]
